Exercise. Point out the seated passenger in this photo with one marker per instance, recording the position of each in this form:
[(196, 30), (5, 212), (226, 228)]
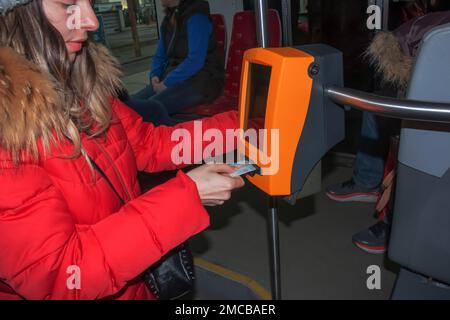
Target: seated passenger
[(188, 68)]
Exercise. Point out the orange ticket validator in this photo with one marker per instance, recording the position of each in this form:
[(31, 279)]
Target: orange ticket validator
[(283, 93)]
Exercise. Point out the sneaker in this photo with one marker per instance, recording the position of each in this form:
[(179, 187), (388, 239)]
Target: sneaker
[(373, 239), (350, 191)]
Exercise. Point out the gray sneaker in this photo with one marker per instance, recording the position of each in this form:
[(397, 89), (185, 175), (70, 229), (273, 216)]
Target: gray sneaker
[(373, 239), (350, 191)]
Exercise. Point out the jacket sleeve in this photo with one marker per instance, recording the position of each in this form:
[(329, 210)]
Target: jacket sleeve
[(41, 245), (156, 148)]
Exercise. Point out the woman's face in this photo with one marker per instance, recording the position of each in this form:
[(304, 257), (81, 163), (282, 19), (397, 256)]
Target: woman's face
[(73, 19)]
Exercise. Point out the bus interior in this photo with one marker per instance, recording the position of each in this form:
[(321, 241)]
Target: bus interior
[(317, 258)]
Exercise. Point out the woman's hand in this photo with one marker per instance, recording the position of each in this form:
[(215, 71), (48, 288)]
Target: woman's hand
[(214, 183)]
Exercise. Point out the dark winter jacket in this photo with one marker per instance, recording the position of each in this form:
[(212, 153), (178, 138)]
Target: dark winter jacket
[(188, 50)]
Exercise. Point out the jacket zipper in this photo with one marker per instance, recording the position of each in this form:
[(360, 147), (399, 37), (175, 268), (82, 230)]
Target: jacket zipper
[(122, 182)]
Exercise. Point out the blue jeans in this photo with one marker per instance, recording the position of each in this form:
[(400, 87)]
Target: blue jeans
[(157, 107), (369, 165)]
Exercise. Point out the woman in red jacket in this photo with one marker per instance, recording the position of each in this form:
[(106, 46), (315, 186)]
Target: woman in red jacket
[(57, 110)]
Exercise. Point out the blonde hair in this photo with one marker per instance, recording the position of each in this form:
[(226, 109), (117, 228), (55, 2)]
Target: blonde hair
[(83, 88)]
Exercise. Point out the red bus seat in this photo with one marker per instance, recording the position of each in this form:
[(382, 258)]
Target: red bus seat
[(220, 31), (243, 37)]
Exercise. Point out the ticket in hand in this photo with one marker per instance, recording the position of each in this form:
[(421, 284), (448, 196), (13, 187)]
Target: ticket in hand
[(243, 170)]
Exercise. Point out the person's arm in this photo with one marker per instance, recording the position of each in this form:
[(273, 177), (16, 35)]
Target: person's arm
[(159, 60), (199, 29), (41, 245), (154, 147)]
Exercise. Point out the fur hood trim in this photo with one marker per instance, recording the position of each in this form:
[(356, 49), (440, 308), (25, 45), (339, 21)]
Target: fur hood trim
[(390, 61), (29, 102)]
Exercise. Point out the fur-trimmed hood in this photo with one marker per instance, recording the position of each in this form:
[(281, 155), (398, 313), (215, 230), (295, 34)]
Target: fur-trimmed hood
[(27, 103), (386, 55), (393, 53), (29, 100)]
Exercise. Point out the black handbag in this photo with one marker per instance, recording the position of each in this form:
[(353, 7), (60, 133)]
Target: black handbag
[(172, 277)]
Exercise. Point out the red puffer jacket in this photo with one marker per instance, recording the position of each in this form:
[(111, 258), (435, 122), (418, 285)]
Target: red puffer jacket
[(54, 216)]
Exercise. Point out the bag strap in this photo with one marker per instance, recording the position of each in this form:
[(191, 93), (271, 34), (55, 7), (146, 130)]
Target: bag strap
[(100, 171), (386, 191)]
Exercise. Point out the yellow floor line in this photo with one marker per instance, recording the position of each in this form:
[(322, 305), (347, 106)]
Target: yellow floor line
[(250, 283)]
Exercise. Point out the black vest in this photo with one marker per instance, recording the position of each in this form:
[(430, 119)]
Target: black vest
[(210, 79)]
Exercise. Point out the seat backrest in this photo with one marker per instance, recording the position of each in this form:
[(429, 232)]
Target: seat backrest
[(220, 31), (420, 238), (243, 37)]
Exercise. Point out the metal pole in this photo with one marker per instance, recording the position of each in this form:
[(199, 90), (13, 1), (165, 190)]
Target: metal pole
[(386, 15), (157, 19), (286, 6), (261, 17), (384, 6), (274, 237), (134, 30), (262, 30)]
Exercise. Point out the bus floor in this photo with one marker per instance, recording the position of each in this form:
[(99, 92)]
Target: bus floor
[(318, 258)]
